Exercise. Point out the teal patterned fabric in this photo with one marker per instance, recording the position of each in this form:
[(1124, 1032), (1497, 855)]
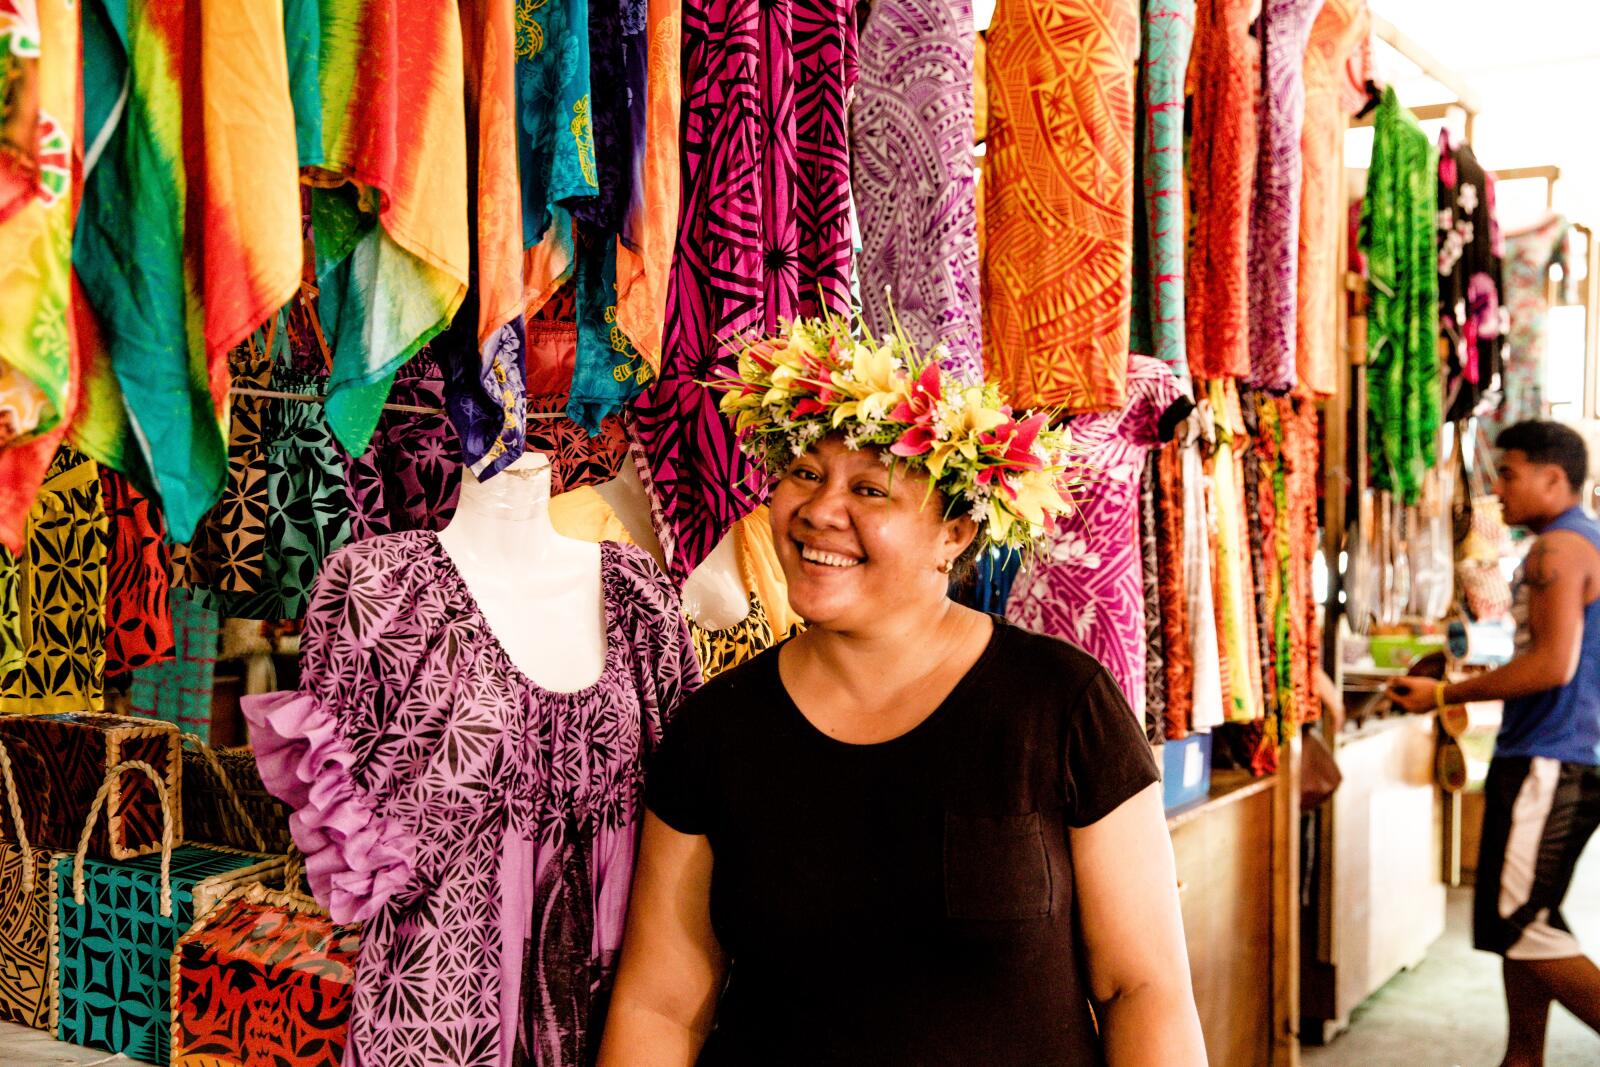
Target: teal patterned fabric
[(555, 148), (1397, 236), (607, 370), (179, 690), (115, 950)]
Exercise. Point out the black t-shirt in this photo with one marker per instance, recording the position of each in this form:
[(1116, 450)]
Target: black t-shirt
[(909, 902)]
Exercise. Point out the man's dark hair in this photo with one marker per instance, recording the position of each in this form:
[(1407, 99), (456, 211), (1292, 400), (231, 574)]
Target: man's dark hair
[(1549, 442)]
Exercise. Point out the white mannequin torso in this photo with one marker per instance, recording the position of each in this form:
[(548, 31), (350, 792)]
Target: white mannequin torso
[(540, 593)]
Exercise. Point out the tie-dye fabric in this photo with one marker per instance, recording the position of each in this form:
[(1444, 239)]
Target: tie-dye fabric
[(482, 828), (914, 180), (39, 155), (390, 213), (41, 179), (1275, 205), (178, 164), (1087, 582), (1058, 201), (764, 234), (1168, 37), (1222, 167), (1339, 29)]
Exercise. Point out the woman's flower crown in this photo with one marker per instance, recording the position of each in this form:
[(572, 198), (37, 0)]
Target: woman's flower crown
[(815, 378)]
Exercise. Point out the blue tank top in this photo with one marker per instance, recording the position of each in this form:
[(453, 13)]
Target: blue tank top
[(1561, 723)]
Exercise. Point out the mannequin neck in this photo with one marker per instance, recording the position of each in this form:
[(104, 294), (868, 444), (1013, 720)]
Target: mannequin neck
[(509, 512)]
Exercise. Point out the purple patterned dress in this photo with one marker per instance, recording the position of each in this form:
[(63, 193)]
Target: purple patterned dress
[(1087, 582), (483, 828), (1275, 210), (763, 235), (915, 188)]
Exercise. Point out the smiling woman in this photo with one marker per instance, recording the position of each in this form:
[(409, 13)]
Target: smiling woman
[(913, 833)]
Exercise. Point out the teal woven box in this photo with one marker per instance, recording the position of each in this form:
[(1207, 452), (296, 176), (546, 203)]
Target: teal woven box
[(114, 951)]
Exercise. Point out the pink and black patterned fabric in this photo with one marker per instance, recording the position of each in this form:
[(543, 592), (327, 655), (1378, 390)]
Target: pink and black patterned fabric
[(1087, 582), (483, 828), (764, 234)]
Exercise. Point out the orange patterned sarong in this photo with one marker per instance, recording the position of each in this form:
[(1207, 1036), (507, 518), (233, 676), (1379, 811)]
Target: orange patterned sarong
[(1058, 202)]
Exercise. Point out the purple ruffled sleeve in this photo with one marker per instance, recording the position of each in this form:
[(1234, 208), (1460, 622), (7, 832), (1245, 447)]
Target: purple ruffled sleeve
[(356, 859)]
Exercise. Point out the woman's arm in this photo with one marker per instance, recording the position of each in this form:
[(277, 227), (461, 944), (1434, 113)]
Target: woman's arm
[(672, 966), (1127, 891)]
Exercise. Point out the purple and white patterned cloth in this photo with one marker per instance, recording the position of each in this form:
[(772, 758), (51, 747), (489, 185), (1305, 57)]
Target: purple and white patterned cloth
[(1087, 582), (912, 173), (482, 827), (1275, 209)]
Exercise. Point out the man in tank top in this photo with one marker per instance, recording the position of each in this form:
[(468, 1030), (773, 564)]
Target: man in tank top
[(1542, 796)]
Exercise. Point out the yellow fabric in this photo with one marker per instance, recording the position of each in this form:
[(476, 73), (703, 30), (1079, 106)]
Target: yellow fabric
[(758, 562), (1231, 564), (584, 515)]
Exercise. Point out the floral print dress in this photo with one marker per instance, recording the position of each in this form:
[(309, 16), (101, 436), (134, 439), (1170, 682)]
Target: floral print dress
[(1087, 583)]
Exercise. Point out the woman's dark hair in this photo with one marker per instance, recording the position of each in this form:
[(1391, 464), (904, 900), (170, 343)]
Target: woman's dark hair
[(1543, 441)]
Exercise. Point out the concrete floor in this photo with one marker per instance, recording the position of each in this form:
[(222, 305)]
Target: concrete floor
[(1449, 1011)]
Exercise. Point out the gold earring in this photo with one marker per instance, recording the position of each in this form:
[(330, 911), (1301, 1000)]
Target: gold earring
[(945, 566)]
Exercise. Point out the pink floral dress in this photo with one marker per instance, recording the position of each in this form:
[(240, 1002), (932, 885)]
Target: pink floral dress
[(1087, 583)]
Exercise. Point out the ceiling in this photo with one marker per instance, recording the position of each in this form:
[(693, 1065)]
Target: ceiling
[(1534, 68)]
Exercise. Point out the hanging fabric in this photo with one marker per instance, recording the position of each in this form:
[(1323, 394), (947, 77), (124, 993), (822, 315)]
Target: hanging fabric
[(1158, 322), (914, 181), (1336, 33), (390, 209), (40, 182), (1222, 165), (764, 234), (1285, 26), (174, 163), (1397, 236), (1470, 276), (1058, 202), (644, 254), (1530, 254), (53, 648)]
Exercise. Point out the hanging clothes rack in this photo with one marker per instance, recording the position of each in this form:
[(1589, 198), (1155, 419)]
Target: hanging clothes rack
[(313, 398)]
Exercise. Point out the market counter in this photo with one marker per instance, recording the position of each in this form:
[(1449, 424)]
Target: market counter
[(1223, 847), (1374, 887)]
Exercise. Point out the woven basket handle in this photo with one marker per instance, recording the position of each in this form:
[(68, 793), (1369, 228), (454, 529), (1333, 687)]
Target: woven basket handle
[(294, 873), (228, 790), (14, 801), (113, 776)]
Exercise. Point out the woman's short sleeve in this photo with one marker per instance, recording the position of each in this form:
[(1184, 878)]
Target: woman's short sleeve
[(678, 776), (1107, 758)]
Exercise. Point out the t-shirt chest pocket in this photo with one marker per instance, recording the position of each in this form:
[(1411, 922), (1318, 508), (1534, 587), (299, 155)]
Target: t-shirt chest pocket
[(996, 867)]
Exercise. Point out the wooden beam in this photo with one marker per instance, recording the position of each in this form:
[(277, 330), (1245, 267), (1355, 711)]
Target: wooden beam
[(1387, 32), (1424, 112)]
